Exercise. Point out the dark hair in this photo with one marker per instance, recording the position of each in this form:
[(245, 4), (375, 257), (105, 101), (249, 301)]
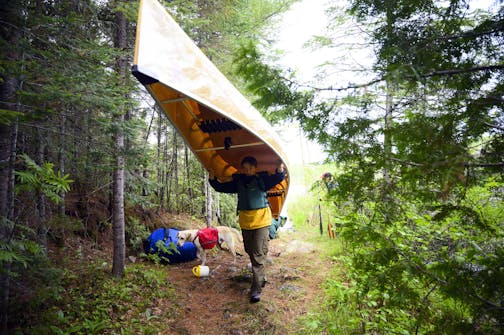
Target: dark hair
[(249, 159)]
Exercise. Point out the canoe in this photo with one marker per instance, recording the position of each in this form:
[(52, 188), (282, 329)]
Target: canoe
[(217, 122)]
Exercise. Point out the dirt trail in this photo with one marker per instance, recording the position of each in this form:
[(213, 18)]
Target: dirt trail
[(219, 304)]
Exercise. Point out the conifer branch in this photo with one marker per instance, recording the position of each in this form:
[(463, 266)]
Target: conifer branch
[(337, 89), (493, 126), (459, 71)]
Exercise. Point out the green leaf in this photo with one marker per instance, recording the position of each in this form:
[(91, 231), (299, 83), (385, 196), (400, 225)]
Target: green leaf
[(9, 116)]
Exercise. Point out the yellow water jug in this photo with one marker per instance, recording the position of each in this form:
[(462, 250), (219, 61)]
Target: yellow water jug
[(201, 271)]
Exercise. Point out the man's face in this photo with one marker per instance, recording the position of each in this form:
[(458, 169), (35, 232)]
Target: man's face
[(249, 169)]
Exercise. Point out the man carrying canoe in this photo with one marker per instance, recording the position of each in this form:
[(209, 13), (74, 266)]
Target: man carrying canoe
[(254, 214)]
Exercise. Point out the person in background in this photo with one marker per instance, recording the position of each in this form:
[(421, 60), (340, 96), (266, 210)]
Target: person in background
[(254, 214)]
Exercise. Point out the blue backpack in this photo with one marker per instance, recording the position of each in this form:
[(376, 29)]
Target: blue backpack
[(173, 253)]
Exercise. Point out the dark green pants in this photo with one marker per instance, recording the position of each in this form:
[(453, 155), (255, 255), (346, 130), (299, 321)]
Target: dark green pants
[(256, 246)]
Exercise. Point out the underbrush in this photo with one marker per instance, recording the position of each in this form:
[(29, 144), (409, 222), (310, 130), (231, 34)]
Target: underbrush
[(73, 292), (408, 267), (433, 270), (87, 300), (81, 297)]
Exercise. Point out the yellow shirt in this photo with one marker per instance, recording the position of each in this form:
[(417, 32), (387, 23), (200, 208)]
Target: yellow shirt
[(254, 218)]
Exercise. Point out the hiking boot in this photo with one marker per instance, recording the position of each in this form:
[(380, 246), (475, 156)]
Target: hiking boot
[(255, 297)]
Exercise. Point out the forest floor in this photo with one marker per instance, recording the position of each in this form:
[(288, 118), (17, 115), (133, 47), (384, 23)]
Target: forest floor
[(179, 302), (219, 303)]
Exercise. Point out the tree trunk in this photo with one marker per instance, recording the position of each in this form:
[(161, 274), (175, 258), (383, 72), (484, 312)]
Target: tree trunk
[(41, 199), (175, 173), (8, 86), (217, 208), (208, 202), (5, 231), (76, 149), (387, 139), (387, 136), (12, 163), (118, 221), (8, 139), (61, 159), (188, 179), (5, 175), (147, 133), (145, 172), (160, 190), (60, 231), (8, 134), (169, 173)]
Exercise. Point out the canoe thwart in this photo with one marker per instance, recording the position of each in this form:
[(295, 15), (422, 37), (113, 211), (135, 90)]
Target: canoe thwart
[(229, 147)]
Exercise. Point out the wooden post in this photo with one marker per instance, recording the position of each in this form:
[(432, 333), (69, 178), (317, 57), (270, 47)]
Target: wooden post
[(320, 217)]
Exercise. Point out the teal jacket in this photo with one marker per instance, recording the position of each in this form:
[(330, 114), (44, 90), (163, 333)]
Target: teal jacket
[(251, 190)]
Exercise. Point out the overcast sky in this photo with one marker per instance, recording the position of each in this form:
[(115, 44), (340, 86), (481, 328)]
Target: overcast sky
[(300, 23)]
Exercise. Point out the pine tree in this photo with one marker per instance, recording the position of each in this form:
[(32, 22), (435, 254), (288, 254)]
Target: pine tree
[(118, 220), (426, 123)]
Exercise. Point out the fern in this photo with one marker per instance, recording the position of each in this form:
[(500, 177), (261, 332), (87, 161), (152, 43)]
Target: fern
[(42, 178)]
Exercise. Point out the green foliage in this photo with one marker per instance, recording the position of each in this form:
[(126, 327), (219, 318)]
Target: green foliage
[(305, 214), (64, 223), (228, 203), (274, 94), (160, 257), (42, 178), (220, 27), (36, 280), (65, 94), (62, 226), (7, 117), (166, 250), (416, 145), (435, 269), (94, 303), (136, 233), (439, 97), (130, 9), (19, 251)]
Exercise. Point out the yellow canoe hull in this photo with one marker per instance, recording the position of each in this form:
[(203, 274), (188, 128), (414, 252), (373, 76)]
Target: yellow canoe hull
[(219, 125)]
